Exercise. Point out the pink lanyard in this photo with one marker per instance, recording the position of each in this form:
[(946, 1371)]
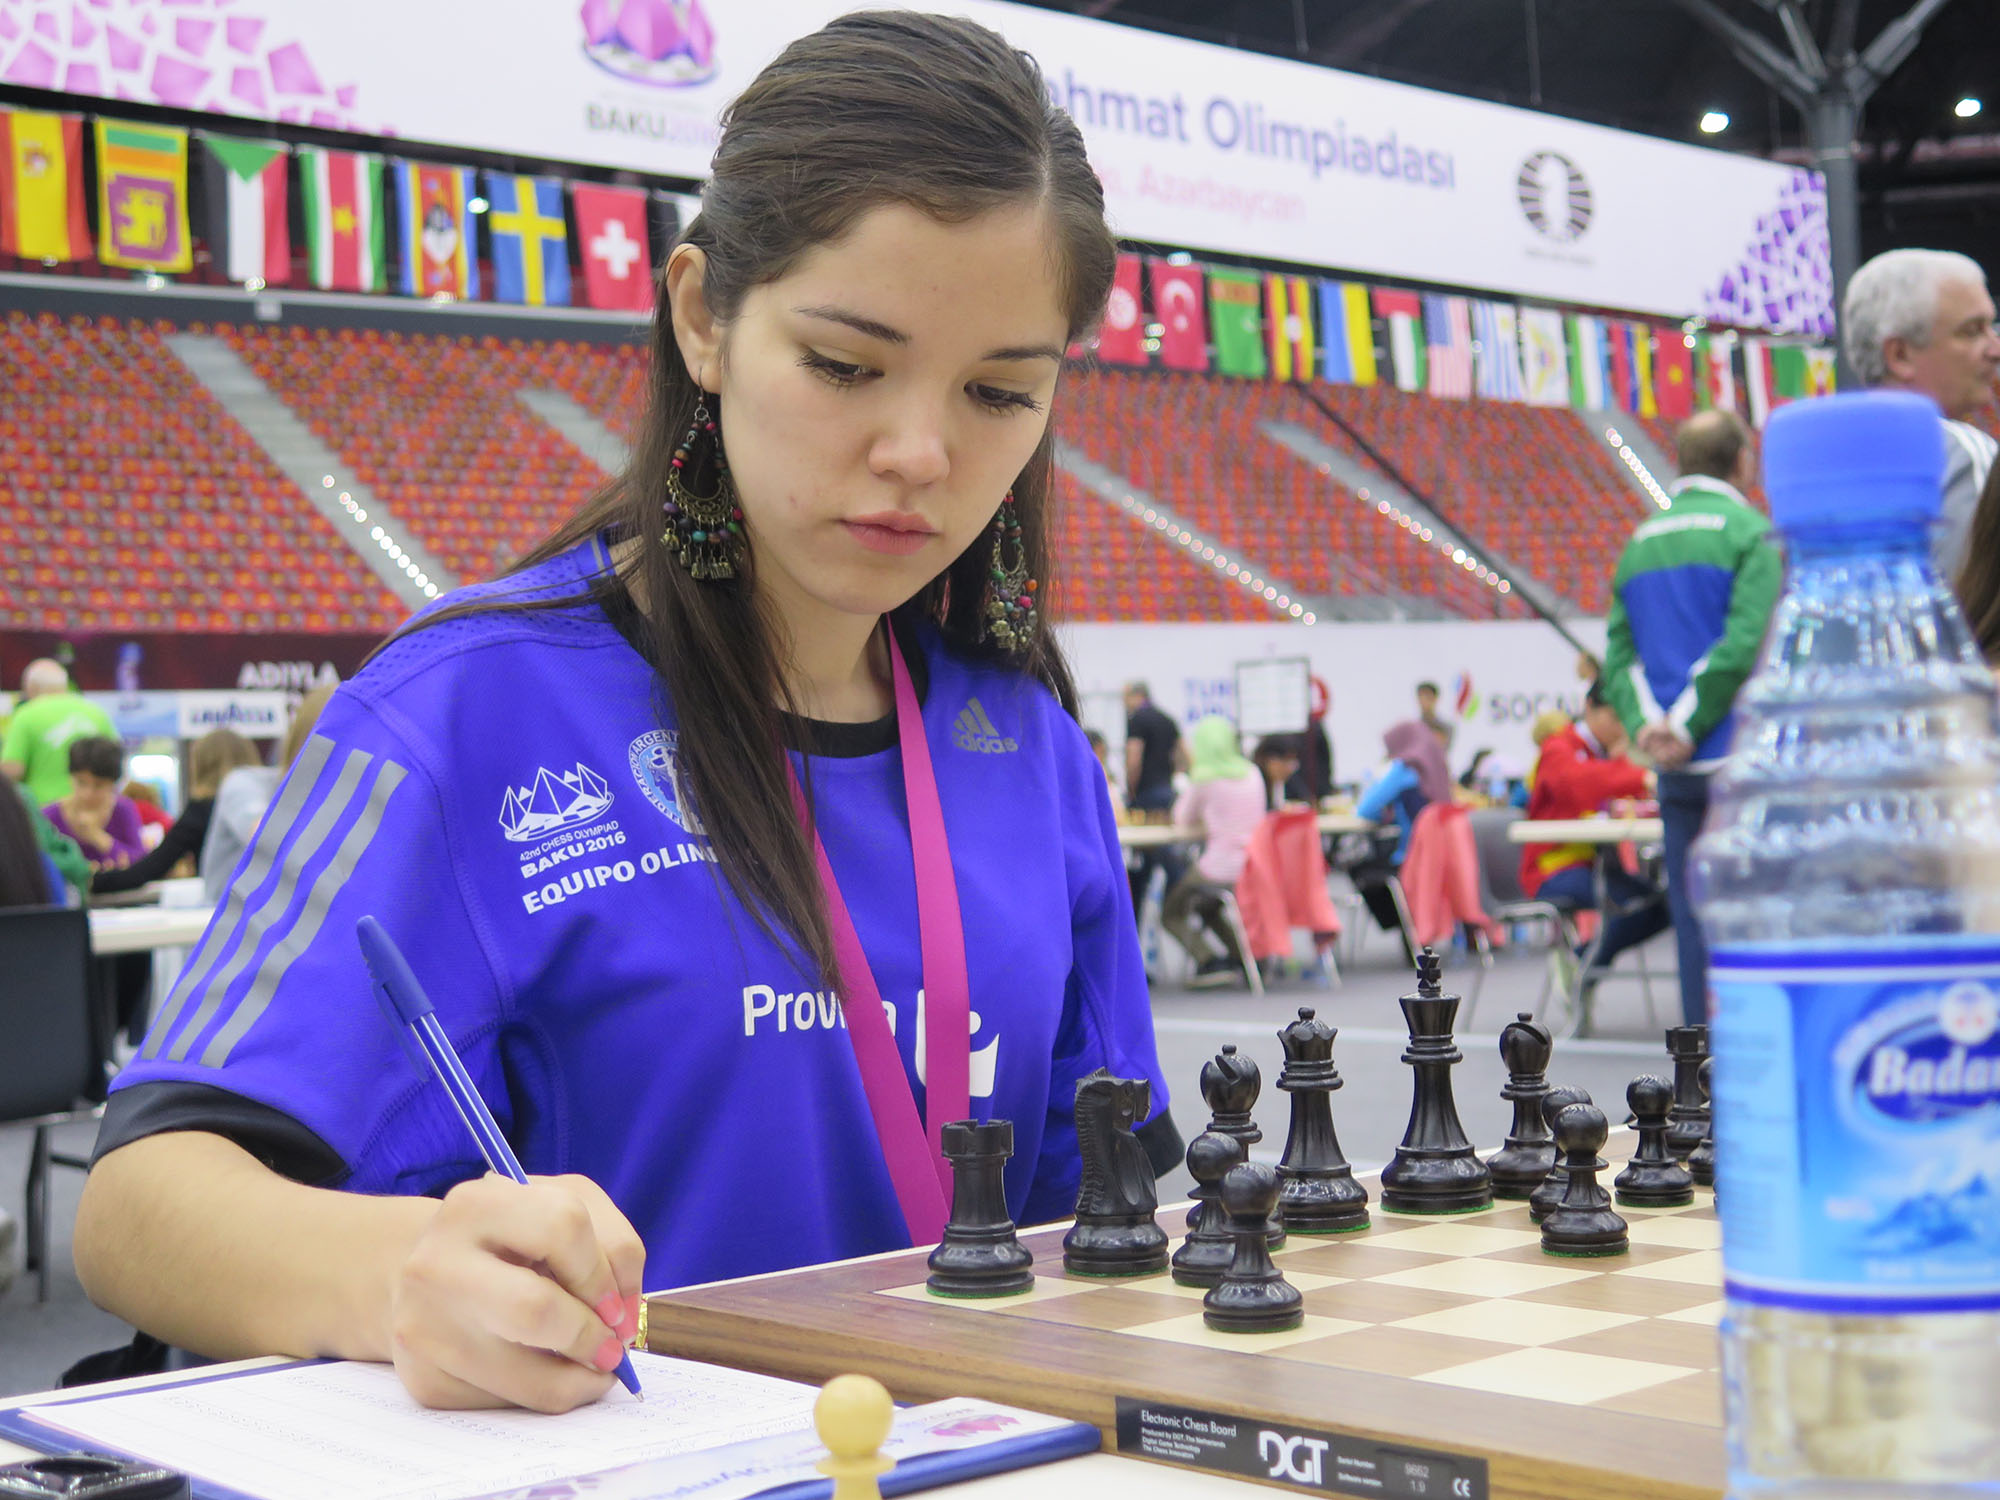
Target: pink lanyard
[(917, 1168)]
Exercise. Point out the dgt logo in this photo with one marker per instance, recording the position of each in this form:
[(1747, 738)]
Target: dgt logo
[(1299, 1459)]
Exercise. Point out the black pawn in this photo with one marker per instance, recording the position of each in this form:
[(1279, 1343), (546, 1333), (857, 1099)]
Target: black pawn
[(1652, 1179), (1209, 1247), (1435, 1170), (1549, 1194), (1524, 1161), (1230, 1083), (1317, 1193), (1253, 1295), (1701, 1160), (1688, 1118), (979, 1255), (1115, 1233), (1584, 1223)]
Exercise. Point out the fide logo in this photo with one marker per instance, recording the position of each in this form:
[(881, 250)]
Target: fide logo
[(1555, 196)]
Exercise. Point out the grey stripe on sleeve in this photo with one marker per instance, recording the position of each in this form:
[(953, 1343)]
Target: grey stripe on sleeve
[(272, 909), (223, 928), (311, 918)]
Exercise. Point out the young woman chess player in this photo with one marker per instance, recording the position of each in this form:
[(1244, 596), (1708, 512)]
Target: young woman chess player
[(742, 836)]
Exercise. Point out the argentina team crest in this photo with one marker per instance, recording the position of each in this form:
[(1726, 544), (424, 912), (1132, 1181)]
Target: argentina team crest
[(656, 767)]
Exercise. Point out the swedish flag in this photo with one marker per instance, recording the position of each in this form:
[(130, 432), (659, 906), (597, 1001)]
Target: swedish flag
[(530, 240)]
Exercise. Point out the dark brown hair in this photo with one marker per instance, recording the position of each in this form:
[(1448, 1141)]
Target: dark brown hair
[(1709, 444), (878, 108), (24, 879), (1979, 579), (97, 756)]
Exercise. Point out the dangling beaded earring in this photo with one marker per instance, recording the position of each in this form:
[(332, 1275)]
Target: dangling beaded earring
[(1011, 620), (704, 532)]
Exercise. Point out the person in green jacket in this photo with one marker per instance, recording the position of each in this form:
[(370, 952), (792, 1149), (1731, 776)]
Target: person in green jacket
[(1691, 600), (50, 715)]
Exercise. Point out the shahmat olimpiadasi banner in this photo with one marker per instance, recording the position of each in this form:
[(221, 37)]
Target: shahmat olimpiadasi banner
[(1198, 145)]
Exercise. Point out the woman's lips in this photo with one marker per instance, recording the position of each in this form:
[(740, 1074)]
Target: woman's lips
[(896, 535)]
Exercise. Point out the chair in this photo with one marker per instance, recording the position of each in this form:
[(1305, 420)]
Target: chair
[(1501, 894), (52, 1060)]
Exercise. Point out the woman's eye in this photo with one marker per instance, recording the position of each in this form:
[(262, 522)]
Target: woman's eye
[(995, 399), (837, 371)]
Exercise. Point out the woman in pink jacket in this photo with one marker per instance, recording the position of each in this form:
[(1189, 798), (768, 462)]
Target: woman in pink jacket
[(1225, 798)]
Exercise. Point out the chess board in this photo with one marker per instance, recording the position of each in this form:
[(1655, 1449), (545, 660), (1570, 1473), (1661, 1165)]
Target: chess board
[(1455, 1338)]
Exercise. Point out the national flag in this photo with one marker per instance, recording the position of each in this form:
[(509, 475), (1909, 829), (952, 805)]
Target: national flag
[(1448, 346), (524, 216), (1819, 372), (1403, 316), (142, 217), (1288, 326), (1233, 298), (1347, 337), (1122, 338), (345, 240), (1776, 374), (1177, 304), (1715, 371), (1589, 364), (617, 253), (1497, 349), (244, 187), (435, 226), (1642, 369), (1673, 375), (1544, 357), (1624, 389), (42, 215)]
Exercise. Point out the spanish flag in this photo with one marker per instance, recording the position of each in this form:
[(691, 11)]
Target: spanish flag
[(142, 209), (42, 215)]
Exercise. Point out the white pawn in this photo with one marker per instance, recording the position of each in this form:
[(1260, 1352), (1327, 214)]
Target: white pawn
[(852, 1417)]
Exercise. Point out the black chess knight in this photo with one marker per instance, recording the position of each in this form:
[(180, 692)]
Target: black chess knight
[(1317, 1193), (1115, 1233), (1434, 1170)]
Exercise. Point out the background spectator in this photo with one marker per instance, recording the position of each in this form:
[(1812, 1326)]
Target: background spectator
[(154, 820), (1427, 713), (211, 758), (1979, 580), (1415, 777), (1225, 799), (1313, 779), (1922, 320), (104, 823), (28, 875), (1277, 757), (50, 718), (244, 795)]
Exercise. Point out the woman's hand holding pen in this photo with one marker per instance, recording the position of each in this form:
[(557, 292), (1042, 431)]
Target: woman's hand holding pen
[(517, 1296)]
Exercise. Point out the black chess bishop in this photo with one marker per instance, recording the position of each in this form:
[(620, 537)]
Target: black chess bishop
[(1230, 1084), (1523, 1162)]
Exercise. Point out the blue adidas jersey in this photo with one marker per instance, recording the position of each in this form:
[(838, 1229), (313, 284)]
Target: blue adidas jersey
[(502, 792)]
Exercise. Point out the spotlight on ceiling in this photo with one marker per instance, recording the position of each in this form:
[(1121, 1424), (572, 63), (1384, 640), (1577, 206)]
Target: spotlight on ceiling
[(1966, 108), (1714, 122)]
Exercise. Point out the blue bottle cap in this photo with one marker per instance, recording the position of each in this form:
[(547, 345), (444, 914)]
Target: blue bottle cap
[(1851, 460)]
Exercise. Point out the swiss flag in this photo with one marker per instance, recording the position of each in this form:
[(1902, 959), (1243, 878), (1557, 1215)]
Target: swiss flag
[(1177, 303), (1122, 340), (617, 257)]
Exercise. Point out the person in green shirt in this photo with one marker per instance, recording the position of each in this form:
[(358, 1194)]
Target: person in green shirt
[(51, 714)]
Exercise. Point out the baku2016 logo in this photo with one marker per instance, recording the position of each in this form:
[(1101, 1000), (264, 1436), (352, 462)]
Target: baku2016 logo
[(660, 43), (1555, 196)]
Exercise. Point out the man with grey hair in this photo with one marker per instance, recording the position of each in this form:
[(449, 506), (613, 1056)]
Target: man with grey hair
[(1922, 320), (50, 715)]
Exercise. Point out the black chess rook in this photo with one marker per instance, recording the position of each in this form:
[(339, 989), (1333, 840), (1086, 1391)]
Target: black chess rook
[(1209, 1247), (1652, 1179), (1701, 1160), (1115, 1233), (1549, 1193), (1435, 1170), (1688, 1118), (979, 1256), (1584, 1222), (1317, 1193), (1253, 1295), (1524, 1161)]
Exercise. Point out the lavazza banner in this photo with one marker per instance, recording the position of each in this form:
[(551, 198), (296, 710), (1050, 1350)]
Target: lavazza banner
[(1198, 146)]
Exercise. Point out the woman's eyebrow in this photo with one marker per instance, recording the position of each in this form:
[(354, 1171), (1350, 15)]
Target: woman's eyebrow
[(874, 329)]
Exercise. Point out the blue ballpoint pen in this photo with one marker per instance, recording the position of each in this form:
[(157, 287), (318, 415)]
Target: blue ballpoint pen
[(406, 1005)]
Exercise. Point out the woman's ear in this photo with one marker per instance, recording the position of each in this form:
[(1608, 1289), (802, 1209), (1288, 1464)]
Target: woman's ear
[(695, 328)]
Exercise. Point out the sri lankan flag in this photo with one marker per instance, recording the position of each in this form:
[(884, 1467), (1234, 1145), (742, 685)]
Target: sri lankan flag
[(1288, 327), (142, 217), (41, 186)]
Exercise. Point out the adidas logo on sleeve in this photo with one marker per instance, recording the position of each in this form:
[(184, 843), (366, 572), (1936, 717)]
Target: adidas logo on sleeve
[(973, 730)]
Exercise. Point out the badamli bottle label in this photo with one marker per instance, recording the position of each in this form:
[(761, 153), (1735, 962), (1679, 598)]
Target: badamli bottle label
[(1857, 1116)]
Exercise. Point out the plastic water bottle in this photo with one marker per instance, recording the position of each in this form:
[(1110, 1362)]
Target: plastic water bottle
[(1848, 881)]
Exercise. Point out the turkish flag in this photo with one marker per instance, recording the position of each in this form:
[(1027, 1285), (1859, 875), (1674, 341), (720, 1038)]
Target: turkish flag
[(1177, 303), (1122, 339), (617, 258)]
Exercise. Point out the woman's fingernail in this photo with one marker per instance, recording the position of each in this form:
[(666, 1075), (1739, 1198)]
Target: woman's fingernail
[(609, 1353), (630, 1327), (610, 1312)]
